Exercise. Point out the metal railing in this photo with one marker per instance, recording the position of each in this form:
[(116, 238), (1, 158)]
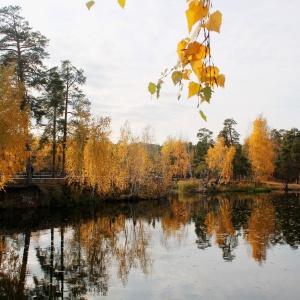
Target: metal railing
[(41, 175)]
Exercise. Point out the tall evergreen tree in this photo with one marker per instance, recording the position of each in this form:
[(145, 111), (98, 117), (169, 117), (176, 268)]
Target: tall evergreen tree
[(241, 164), (287, 166), (74, 100), (295, 153), (20, 45), (230, 135), (205, 137), (53, 109)]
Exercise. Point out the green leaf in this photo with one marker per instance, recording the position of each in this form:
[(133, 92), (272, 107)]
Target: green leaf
[(203, 116), (152, 88), (122, 3), (206, 94), (90, 4), (158, 88), (176, 77)]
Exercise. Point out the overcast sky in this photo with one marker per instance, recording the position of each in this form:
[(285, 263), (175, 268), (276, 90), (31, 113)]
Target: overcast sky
[(121, 51)]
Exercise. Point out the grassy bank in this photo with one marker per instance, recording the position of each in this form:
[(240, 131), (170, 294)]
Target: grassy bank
[(194, 185), (185, 186)]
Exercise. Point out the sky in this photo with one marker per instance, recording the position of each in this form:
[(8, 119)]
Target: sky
[(122, 50)]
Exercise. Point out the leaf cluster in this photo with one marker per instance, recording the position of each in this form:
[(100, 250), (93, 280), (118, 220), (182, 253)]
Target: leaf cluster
[(194, 54), (195, 64)]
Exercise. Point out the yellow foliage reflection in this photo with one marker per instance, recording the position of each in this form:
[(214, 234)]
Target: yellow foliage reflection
[(261, 225), (174, 222), (98, 244), (220, 222)]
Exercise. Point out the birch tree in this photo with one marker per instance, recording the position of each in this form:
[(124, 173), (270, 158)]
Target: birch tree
[(261, 152), (13, 126)]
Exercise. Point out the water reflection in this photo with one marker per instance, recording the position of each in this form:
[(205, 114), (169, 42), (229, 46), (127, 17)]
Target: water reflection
[(69, 255)]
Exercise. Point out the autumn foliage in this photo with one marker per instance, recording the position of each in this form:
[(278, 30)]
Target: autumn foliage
[(80, 147), (219, 160), (195, 64), (132, 167), (13, 126), (260, 150)]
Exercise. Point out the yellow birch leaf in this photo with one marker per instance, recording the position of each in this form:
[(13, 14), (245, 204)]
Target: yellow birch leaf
[(186, 74), (195, 13), (194, 89), (196, 51), (209, 75), (214, 22), (181, 47), (197, 66), (211, 72), (122, 3), (221, 80), (90, 4)]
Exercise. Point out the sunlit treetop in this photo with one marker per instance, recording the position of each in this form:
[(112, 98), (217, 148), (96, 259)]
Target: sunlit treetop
[(195, 64)]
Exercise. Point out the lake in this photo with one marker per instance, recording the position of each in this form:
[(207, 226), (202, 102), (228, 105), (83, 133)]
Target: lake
[(183, 247)]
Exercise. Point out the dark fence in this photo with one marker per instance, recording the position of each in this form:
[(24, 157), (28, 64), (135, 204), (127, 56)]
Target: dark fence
[(42, 175)]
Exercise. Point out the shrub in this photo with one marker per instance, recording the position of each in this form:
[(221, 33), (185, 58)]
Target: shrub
[(187, 185)]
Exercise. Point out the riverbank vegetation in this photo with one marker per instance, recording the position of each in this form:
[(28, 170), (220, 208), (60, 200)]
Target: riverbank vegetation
[(77, 145)]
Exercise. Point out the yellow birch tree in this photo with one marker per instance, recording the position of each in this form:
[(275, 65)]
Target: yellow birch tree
[(175, 158), (42, 155), (13, 126), (97, 154), (219, 159), (135, 163), (260, 150)]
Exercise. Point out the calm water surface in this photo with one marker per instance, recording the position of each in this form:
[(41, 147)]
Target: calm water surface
[(186, 247)]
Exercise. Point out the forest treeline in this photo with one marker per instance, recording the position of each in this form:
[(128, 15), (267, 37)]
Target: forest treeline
[(78, 145)]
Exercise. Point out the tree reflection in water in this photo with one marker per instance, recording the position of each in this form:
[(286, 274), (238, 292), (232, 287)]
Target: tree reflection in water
[(261, 227), (10, 265), (219, 224), (94, 245)]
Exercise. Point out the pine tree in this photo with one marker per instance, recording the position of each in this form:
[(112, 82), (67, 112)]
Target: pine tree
[(52, 111), (22, 46), (205, 141), (72, 79), (231, 136), (287, 166)]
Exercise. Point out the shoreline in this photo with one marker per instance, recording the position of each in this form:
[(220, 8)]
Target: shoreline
[(63, 195)]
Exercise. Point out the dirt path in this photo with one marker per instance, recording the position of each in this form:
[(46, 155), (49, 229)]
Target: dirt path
[(280, 186)]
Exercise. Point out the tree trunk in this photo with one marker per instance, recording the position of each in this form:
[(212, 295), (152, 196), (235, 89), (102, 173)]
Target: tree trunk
[(51, 261), (20, 291), (62, 231), (65, 132), (54, 143), (29, 172)]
